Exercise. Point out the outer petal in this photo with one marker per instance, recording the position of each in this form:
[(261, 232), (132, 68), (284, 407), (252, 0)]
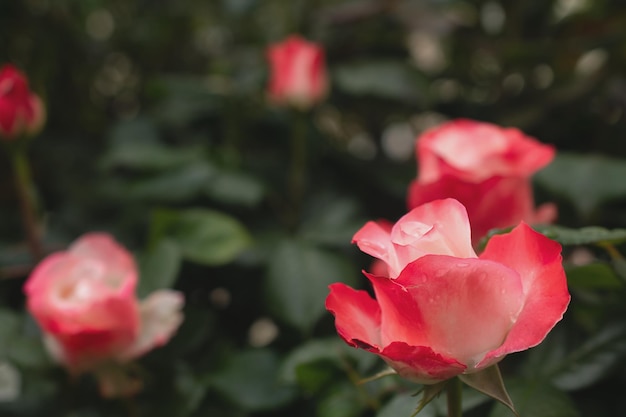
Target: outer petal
[(538, 261), (160, 317), (460, 308), (357, 316), (375, 240), (420, 363)]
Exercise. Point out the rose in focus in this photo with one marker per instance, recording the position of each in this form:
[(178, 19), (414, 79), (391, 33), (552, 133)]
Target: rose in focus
[(21, 111), (297, 73), (84, 300), (442, 310), (487, 168)]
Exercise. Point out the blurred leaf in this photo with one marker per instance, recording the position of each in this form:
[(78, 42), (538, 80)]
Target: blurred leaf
[(591, 362), (489, 382), (185, 100), (176, 185), (158, 267), (535, 399), (592, 276), (333, 220), (404, 405), (298, 278), (28, 351), (586, 180), (583, 236), (390, 79), (204, 236), (333, 350), (235, 188), (140, 130), (147, 156), (9, 328), (250, 380), (342, 401)]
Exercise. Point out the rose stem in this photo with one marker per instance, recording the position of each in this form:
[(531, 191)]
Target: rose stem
[(26, 196), (454, 394)]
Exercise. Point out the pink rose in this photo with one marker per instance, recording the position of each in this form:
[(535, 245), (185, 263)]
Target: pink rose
[(84, 300), (297, 73), (485, 167), (442, 310), (21, 111)]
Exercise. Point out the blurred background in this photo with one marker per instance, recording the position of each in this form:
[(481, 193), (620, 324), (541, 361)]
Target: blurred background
[(159, 131)]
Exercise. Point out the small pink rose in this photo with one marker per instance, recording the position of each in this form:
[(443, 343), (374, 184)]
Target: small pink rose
[(444, 311), (485, 167), (21, 111), (297, 73), (84, 300)]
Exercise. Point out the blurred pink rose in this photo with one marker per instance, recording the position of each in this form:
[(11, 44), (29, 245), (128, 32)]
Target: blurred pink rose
[(21, 111), (487, 168), (443, 311), (297, 73), (84, 300)]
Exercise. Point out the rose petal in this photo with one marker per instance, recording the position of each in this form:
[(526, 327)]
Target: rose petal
[(357, 316), (160, 317), (461, 308), (538, 261), (497, 202), (420, 364), (375, 240), (439, 227)]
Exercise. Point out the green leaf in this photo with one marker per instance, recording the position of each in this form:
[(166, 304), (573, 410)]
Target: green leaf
[(250, 380), (158, 267), (343, 401), (591, 362), (298, 278), (489, 382), (586, 180), (332, 350), (592, 276), (403, 405), (390, 79), (204, 236), (333, 220), (180, 184), (235, 188), (9, 329), (536, 399), (583, 236), (146, 156)]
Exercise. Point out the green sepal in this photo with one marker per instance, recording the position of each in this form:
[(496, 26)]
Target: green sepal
[(489, 382), (429, 393)]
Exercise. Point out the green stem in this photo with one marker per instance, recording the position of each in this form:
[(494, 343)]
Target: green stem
[(454, 394), (26, 196), (297, 172)]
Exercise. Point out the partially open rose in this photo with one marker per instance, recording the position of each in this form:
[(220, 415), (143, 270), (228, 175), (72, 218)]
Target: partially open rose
[(442, 310), (21, 111), (487, 168), (297, 72), (84, 300)]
